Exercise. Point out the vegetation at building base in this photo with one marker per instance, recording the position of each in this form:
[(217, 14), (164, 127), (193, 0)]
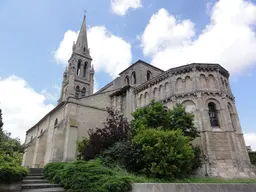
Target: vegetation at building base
[(157, 145), (11, 152)]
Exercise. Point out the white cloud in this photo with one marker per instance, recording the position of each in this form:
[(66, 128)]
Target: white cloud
[(110, 53), (228, 39), (21, 105), (120, 7), (250, 140)]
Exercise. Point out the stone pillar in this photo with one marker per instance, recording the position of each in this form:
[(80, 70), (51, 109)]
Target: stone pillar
[(70, 140)]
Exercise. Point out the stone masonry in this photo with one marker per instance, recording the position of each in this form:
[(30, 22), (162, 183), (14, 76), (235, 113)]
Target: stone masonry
[(203, 89)]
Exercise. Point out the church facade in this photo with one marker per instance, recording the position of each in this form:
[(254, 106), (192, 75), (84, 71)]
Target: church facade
[(203, 89)]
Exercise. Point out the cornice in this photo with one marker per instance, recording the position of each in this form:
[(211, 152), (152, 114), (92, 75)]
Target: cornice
[(199, 67)]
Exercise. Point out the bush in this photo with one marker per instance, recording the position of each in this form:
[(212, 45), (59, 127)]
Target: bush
[(116, 128), (10, 170), (90, 176), (166, 154), (252, 156), (52, 171)]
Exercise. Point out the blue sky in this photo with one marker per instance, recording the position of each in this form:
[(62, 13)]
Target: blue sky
[(36, 39)]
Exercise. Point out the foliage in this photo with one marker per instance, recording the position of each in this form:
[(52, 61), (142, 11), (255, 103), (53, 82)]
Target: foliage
[(166, 154), (81, 145), (252, 156), (156, 115), (90, 176), (116, 128), (11, 152)]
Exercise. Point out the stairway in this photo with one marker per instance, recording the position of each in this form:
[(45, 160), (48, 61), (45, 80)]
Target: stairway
[(35, 182)]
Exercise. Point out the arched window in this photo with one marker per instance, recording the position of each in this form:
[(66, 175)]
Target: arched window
[(149, 75), (83, 91), (84, 49), (213, 114), (77, 91), (85, 69), (134, 77), (78, 67), (126, 80), (56, 122)]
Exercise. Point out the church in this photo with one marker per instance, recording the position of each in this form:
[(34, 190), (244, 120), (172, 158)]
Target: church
[(203, 89)]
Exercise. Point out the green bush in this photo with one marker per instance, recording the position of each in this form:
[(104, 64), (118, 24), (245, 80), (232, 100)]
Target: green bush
[(252, 156), (52, 171), (90, 176), (166, 154), (10, 169)]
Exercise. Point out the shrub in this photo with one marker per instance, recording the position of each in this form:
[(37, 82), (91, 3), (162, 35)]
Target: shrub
[(252, 156), (91, 176), (116, 128), (124, 154), (166, 154), (10, 170), (52, 171)]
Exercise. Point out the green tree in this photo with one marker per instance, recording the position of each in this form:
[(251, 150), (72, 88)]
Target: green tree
[(166, 154), (157, 116)]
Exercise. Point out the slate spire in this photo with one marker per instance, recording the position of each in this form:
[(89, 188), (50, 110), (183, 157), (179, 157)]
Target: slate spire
[(81, 45)]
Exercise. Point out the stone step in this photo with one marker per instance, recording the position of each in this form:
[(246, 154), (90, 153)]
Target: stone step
[(25, 181), (56, 189), (38, 185), (34, 177)]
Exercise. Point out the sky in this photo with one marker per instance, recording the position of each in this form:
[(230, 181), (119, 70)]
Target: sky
[(36, 40)]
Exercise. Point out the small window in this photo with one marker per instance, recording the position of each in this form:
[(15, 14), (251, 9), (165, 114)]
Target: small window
[(84, 49), (126, 80), (149, 75), (77, 91), (134, 77), (41, 131), (83, 91), (213, 114), (56, 122), (78, 67), (31, 138), (85, 69)]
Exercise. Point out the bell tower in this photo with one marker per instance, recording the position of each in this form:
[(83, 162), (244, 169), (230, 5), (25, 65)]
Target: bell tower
[(78, 78)]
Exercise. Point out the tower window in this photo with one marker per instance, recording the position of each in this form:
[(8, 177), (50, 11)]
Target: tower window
[(77, 91), (126, 80), (78, 67), (134, 77), (84, 49), (149, 75), (85, 69), (56, 122), (83, 91), (213, 114)]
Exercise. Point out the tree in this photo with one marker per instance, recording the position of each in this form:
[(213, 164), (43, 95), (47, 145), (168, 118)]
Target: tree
[(158, 116), (166, 154), (1, 120), (116, 128)]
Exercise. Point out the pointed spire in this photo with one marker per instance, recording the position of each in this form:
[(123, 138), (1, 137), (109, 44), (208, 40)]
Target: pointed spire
[(82, 43)]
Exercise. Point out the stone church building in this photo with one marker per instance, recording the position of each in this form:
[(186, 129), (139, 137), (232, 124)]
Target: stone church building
[(204, 90)]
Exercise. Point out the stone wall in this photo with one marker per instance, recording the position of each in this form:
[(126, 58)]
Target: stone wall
[(183, 187)]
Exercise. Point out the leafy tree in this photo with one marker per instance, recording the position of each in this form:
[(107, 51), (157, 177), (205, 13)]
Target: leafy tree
[(81, 145), (116, 128), (11, 152), (166, 154), (157, 115)]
